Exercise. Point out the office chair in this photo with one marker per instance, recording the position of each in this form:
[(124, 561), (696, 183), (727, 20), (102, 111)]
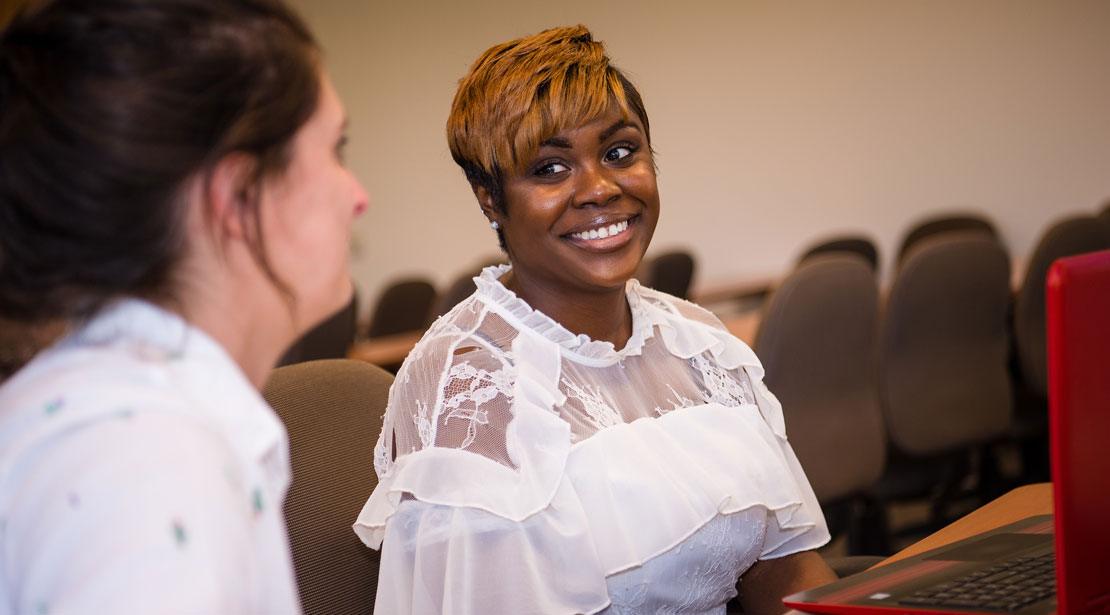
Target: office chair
[(670, 272), (856, 244), (331, 339), (818, 342), (943, 383), (1029, 430), (333, 411), (405, 305), (1066, 237), (943, 224)]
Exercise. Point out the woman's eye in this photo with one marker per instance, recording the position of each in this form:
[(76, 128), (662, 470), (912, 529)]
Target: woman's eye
[(550, 168), (340, 147), (619, 152)]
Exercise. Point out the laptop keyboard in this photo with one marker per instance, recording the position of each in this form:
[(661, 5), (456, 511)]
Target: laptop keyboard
[(1006, 587)]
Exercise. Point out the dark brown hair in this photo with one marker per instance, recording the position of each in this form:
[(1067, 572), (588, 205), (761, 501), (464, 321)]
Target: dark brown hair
[(107, 109)]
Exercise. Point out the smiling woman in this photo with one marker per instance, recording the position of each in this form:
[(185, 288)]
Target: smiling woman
[(566, 441)]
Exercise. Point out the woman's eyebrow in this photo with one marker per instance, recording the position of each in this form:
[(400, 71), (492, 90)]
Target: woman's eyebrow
[(557, 142), (564, 143), (608, 132)]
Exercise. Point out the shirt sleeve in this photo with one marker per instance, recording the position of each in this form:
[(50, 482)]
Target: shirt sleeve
[(131, 513)]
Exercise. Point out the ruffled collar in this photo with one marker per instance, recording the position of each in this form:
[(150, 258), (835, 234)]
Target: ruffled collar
[(580, 346)]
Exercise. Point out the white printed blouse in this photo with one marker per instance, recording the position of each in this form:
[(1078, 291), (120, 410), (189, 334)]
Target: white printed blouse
[(141, 472)]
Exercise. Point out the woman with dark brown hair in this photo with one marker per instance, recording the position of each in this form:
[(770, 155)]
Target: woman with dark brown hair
[(172, 192), (565, 440)]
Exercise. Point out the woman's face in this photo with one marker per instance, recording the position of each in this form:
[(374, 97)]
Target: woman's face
[(581, 214), (306, 214)]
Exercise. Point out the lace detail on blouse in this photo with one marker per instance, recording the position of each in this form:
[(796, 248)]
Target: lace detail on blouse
[(679, 401), (721, 387), (601, 414), (467, 388)]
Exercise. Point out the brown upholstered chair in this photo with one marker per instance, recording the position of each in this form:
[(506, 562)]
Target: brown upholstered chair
[(945, 223), (818, 342), (333, 411), (943, 379), (669, 272), (1029, 430), (856, 244), (463, 285), (1066, 237), (330, 339), (404, 306)]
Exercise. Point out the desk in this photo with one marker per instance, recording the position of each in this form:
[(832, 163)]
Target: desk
[(385, 351), (1018, 504)]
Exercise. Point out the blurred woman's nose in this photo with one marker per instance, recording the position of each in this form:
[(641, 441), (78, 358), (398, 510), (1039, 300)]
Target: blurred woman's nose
[(361, 199)]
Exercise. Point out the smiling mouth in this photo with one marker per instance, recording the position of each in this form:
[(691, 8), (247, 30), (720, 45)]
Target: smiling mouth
[(602, 232)]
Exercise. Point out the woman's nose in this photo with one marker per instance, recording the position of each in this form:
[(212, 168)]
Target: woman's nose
[(596, 186), (361, 199)]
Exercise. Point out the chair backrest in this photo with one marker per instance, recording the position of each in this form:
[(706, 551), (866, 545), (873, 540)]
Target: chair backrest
[(1105, 212), (818, 342), (943, 378), (671, 272), (330, 339), (1066, 237), (856, 244), (405, 305), (944, 224), (333, 411)]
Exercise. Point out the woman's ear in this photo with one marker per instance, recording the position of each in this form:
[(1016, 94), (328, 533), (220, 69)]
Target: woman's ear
[(485, 201), (229, 190)]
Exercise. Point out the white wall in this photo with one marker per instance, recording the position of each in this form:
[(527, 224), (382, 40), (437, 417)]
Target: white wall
[(776, 123)]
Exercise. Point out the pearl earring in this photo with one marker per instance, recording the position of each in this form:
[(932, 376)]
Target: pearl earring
[(494, 225)]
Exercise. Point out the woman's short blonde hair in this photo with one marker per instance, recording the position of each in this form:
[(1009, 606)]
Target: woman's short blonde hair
[(520, 93)]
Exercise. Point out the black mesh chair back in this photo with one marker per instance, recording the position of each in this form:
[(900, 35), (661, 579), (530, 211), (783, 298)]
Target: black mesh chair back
[(333, 412), (849, 243), (944, 224), (330, 339), (1066, 237), (404, 306), (818, 342), (671, 272)]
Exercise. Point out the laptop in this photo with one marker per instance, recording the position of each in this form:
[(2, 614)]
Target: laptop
[(1070, 549)]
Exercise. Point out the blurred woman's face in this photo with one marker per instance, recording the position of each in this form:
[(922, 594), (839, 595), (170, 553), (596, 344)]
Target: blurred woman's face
[(581, 214), (306, 214)]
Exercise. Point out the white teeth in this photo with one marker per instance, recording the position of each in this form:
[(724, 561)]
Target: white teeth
[(603, 232)]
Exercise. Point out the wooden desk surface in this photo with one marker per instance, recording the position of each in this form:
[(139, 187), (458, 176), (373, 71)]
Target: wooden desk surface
[(385, 351), (1018, 504)]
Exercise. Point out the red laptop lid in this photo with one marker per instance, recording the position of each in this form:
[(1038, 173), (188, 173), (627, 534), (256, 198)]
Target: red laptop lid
[(1078, 326)]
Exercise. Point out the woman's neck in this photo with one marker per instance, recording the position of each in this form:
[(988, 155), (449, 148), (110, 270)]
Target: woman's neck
[(603, 315)]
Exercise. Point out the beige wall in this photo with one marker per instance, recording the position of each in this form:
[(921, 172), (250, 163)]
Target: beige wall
[(776, 122)]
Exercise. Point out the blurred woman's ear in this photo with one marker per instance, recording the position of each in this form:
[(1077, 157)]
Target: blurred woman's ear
[(228, 191)]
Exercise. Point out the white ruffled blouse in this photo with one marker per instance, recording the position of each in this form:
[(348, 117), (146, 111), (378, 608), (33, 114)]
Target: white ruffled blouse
[(525, 469)]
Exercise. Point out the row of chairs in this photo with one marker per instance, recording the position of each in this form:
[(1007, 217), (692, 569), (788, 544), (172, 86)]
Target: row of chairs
[(902, 398), (837, 359)]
